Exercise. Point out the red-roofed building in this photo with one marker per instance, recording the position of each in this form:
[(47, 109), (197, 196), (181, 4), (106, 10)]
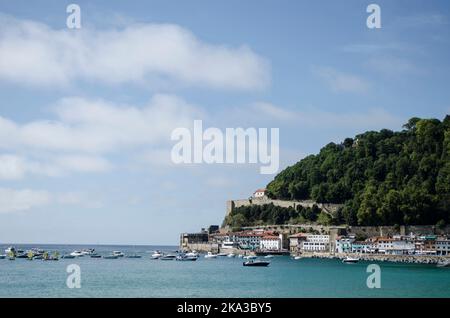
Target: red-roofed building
[(259, 193), (271, 243)]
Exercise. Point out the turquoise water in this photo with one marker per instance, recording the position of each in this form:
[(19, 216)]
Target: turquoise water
[(221, 277)]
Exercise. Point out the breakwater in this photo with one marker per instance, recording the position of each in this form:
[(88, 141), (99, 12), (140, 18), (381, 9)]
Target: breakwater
[(410, 259)]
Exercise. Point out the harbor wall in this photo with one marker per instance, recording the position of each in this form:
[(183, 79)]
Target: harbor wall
[(233, 204)]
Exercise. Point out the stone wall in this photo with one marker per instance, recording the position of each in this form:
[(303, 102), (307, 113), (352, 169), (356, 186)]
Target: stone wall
[(327, 207)]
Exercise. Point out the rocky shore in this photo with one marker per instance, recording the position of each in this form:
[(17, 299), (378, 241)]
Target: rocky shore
[(410, 259)]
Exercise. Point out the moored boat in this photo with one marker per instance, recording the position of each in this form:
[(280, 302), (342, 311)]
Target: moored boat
[(118, 253), (156, 255), (445, 263), (210, 255), (350, 260), (110, 256), (168, 257), (256, 263), (250, 257), (77, 254)]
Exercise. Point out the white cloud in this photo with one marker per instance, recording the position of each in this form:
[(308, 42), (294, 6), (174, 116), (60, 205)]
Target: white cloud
[(84, 133), (96, 126), (12, 200), (33, 53), (342, 82), (11, 167)]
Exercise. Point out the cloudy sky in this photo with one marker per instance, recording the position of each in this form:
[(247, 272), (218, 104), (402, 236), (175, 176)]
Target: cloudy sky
[(86, 114)]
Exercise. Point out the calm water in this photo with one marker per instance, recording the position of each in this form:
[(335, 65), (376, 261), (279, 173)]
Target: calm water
[(222, 277)]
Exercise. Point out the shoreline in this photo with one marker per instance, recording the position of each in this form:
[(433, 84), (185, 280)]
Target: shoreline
[(408, 259)]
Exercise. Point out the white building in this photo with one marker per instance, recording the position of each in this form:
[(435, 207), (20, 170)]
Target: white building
[(442, 247), (344, 244), (384, 245), (271, 243), (316, 243), (259, 193)]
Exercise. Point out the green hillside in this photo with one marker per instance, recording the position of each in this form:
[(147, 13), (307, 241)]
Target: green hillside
[(382, 178)]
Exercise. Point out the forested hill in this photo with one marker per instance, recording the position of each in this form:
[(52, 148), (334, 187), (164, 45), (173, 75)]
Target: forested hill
[(383, 178)]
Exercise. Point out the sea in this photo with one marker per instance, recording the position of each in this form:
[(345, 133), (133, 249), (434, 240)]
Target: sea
[(220, 277)]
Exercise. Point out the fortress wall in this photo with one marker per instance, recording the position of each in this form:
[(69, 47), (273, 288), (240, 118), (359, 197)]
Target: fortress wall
[(327, 207)]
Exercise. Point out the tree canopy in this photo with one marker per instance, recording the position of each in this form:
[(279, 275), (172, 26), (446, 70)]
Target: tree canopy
[(381, 177)]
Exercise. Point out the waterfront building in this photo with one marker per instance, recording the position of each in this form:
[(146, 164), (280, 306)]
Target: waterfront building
[(401, 247), (363, 247), (384, 244), (247, 239), (193, 238), (271, 243), (442, 246), (296, 242), (316, 243), (344, 244)]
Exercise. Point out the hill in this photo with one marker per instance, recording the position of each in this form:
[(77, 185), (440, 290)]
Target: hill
[(381, 177)]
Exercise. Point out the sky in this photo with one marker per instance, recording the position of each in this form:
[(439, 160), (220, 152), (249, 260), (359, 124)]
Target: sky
[(86, 114)]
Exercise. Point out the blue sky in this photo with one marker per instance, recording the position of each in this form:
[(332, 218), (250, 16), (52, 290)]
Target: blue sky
[(86, 115)]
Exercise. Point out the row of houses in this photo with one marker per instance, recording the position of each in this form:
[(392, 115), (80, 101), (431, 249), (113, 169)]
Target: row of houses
[(264, 240), (396, 245), (251, 240)]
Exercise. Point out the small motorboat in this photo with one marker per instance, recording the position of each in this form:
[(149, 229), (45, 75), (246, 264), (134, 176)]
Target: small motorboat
[(222, 254), (112, 256), (445, 263), (268, 256), (68, 256), (231, 255), (297, 257), (240, 256), (2, 256), (156, 255), (192, 254), (22, 255), (184, 258), (256, 263), (168, 257), (88, 251), (350, 260), (95, 255), (118, 253), (77, 254), (250, 257), (210, 255)]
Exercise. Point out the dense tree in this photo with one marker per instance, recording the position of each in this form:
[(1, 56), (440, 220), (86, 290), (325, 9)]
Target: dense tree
[(381, 178)]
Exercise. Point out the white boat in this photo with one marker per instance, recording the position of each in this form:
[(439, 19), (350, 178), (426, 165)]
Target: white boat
[(350, 260), (210, 255), (222, 254), (192, 254), (231, 255), (88, 251), (250, 257), (156, 255), (443, 263), (297, 257), (77, 253), (240, 255), (2, 256), (118, 253), (268, 256)]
